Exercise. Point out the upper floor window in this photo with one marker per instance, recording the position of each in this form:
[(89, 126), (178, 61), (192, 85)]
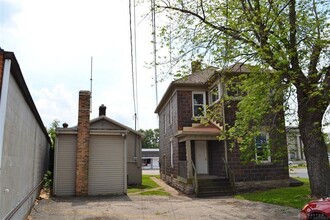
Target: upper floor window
[(262, 147), (234, 89), (170, 118), (215, 93), (172, 154), (198, 99), (165, 124)]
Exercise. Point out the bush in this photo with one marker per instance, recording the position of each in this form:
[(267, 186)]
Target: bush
[(48, 180)]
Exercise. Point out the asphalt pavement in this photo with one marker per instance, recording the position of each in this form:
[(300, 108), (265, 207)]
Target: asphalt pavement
[(140, 207), (176, 206), (299, 172)]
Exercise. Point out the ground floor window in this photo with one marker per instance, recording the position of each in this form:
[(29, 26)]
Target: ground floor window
[(262, 148), (172, 159), (146, 162)]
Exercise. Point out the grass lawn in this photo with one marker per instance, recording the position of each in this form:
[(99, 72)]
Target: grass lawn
[(295, 197), (148, 187)]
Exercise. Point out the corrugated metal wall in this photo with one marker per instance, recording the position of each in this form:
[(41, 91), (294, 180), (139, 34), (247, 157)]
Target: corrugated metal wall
[(106, 165), (24, 155), (65, 165)]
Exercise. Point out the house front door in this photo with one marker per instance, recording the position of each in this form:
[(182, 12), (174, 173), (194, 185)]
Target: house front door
[(201, 158)]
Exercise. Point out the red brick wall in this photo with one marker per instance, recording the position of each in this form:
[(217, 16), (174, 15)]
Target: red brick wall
[(1, 68), (184, 109), (83, 144), (230, 112), (256, 172), (276, 170)]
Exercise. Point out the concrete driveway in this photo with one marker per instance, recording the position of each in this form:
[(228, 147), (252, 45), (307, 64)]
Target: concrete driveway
[(157, 207)]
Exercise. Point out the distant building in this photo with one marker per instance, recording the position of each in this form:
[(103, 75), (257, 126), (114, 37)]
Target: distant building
[(295, 144), (150, 158)]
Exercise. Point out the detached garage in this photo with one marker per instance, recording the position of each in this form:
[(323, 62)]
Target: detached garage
[(97, 157)]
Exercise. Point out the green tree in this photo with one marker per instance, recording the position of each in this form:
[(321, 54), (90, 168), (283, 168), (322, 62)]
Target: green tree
[(52, 132), (287, 39), (150, 138), (48, 177)]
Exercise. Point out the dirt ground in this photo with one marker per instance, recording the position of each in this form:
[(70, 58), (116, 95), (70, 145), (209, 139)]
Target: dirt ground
[(138, 207)]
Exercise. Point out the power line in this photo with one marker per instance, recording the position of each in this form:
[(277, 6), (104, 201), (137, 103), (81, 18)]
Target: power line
[(170, 45), (153, 18)]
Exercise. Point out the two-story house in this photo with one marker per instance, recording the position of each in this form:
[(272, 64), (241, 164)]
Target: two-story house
[(193, 158)]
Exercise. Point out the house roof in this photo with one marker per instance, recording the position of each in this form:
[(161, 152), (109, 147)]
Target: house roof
[(150, 152), (200, 80), (116, 123), (124, 127), (16, 72), (196, 80), (237, 68), (199, 77)]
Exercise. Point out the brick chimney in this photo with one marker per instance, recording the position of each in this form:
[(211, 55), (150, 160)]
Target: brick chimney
[(196, 65), (102, 110), (83, 144), (1, 66)]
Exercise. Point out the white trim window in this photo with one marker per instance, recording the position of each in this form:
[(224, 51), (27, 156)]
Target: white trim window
[(262, 148), (198, 104), (165, 125), (170, 118), (215, 93), (172, 154)]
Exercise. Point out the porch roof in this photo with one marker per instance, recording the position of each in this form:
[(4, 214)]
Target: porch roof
[(199, 132)]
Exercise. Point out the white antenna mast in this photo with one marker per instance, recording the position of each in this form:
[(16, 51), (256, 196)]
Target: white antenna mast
[(91, 86)]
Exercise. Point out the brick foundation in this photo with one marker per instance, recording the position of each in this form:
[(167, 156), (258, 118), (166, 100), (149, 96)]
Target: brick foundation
[(261, 185), (83, 144), (186, 188)]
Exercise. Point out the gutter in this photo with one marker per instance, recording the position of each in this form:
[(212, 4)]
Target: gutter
[(3, 103)]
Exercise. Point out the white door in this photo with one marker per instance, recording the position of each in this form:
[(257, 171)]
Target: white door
[(201, 157)]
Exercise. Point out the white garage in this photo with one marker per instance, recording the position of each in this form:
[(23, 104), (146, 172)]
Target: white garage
[(109, 161)]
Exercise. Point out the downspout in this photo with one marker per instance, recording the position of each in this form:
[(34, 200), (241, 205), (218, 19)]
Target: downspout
[(56, 163), (135, 141), (125, 162), (164, 156), (3, 103), (224, 129)]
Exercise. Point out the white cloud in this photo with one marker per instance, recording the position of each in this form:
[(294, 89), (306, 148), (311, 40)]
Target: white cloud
[(53, 42), (56, 102)]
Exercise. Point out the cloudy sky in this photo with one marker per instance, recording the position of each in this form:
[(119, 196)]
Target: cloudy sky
[(53, 42)]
